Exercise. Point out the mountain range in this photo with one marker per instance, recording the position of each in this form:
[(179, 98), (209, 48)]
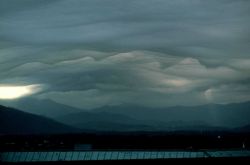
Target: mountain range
[(42, 107), (13, 121), (204, 117), (122, 117), (227, 115)]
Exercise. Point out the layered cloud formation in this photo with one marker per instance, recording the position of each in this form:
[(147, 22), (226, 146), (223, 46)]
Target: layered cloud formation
[(160, 53)]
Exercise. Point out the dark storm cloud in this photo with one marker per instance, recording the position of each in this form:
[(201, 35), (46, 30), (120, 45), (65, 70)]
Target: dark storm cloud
[(192, 27), (148, 52)]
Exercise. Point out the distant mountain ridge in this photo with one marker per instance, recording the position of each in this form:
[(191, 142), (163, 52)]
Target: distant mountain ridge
[(228, 115), (130, 117), (138, 118), (203, 117), (44, 107), (13, 121)]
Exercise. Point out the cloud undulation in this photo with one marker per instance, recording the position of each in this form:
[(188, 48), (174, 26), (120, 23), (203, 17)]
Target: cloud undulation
[(105, 52), (137, 77)]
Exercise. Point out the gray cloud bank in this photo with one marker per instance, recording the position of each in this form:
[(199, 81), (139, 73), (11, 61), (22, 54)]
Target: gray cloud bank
[(92, 53)]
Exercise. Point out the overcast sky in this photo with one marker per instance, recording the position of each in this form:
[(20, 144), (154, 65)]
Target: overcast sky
[(157, 53)]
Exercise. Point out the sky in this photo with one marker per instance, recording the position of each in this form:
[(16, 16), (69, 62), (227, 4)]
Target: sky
[(154, 53)]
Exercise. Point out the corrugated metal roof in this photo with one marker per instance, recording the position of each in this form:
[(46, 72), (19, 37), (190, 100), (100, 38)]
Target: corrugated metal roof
[(115, 155)]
